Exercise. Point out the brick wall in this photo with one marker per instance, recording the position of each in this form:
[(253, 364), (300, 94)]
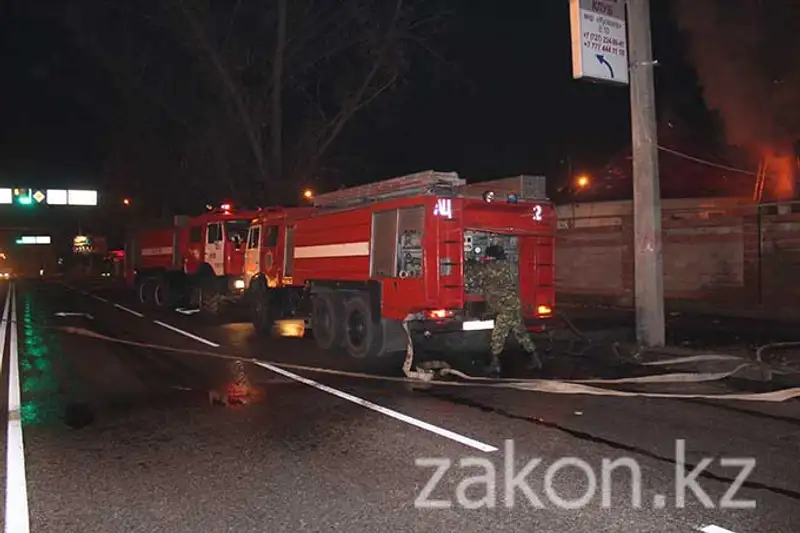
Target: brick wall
[(715, 251)]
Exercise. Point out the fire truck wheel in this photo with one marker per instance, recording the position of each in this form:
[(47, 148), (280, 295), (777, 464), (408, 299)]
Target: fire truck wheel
[(326, 324), (160, 293), (362, 337), (264, 315), (210, 298), (211, 303), (145, 292)]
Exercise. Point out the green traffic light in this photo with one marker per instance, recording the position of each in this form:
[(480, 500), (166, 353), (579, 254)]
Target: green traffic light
[(25, 200)]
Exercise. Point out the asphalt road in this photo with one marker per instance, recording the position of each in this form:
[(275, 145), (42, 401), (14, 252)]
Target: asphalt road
[(121, 437)]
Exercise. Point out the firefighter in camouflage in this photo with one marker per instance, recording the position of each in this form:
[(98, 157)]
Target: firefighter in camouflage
[(496, 280)]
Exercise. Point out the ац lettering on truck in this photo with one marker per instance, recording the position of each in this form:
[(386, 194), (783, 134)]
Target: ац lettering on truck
[(370, 258)]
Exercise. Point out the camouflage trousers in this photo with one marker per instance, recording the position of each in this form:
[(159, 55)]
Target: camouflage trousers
[(510, 322)]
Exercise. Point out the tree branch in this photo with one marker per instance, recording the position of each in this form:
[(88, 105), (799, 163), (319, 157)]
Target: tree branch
[(359, 101), (232, 91)]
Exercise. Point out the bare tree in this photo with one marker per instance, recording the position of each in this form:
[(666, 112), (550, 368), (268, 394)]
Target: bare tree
[(278, 80)]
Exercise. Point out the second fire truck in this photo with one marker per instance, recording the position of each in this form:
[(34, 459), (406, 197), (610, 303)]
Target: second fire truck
[(367, 259), (195, 261)]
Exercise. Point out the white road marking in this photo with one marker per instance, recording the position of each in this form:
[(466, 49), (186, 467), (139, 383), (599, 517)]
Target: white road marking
[(186, 333), (715, 529), (383, 410), (131, 311), (96, 297), (17, 517), (183, 311), (6, 312), (70, 313)]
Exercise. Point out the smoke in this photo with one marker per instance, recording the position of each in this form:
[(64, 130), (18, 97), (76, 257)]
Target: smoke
[(745, 54)]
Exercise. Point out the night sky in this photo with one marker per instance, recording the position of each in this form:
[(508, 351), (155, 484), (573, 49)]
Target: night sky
[(497, 100)]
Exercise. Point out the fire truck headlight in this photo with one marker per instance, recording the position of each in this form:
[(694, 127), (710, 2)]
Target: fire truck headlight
[(238, 284), (488, 197)]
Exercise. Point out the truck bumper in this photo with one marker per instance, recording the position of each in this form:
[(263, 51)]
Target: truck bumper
[(467, 336)]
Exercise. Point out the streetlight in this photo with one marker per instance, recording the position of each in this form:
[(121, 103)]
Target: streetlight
[(126, 201), (582, 182), (308, 194)]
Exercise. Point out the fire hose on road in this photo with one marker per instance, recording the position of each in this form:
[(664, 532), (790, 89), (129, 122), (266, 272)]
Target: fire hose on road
[(426, 371), (429, 377)]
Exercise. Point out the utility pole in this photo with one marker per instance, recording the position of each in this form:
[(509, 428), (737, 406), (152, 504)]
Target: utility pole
[(648, 263)]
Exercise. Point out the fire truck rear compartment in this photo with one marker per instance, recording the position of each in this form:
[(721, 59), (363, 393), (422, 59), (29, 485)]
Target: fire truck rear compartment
[(448, 335), (476, 242)]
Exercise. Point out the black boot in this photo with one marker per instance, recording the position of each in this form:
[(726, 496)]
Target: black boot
[(534, 363)]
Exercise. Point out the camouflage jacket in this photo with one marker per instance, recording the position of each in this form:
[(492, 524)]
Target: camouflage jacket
[(496, 281)]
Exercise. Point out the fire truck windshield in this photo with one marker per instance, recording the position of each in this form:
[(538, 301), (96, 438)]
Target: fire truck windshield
[(236, 230)]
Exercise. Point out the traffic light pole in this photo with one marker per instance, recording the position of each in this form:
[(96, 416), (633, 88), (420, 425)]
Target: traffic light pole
[(647, 241)]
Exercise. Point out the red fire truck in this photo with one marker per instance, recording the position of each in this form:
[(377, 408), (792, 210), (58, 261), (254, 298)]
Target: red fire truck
[(189, 260), (367, 259)]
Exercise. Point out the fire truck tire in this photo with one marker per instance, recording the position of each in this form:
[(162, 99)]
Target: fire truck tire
[(159, 293), (327, 311), (210, 298), (263, 313), (194, 296), (362, 334), (145, 292), (211, 303)]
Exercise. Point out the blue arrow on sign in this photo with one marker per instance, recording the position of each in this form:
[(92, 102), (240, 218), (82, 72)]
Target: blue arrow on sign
[(603, 61)]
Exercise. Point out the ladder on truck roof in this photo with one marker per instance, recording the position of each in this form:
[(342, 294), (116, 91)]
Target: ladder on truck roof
[(420, 183)]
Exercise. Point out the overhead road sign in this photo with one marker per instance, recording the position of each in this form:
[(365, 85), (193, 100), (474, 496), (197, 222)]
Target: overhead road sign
[(25, 196), (57, 196), (81, 197), (599, 40), (34, 239)]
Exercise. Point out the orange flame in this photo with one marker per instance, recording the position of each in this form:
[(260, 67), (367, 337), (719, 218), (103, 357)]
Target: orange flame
[(781, 170)]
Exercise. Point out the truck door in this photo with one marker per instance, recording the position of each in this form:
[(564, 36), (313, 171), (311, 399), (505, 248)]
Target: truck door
[(215, 248), (270, 262), (194, 249), (252, 254)]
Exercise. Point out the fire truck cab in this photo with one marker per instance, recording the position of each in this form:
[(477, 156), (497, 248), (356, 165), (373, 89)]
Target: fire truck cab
[(267, 240), (367, 259), (196, 260)]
